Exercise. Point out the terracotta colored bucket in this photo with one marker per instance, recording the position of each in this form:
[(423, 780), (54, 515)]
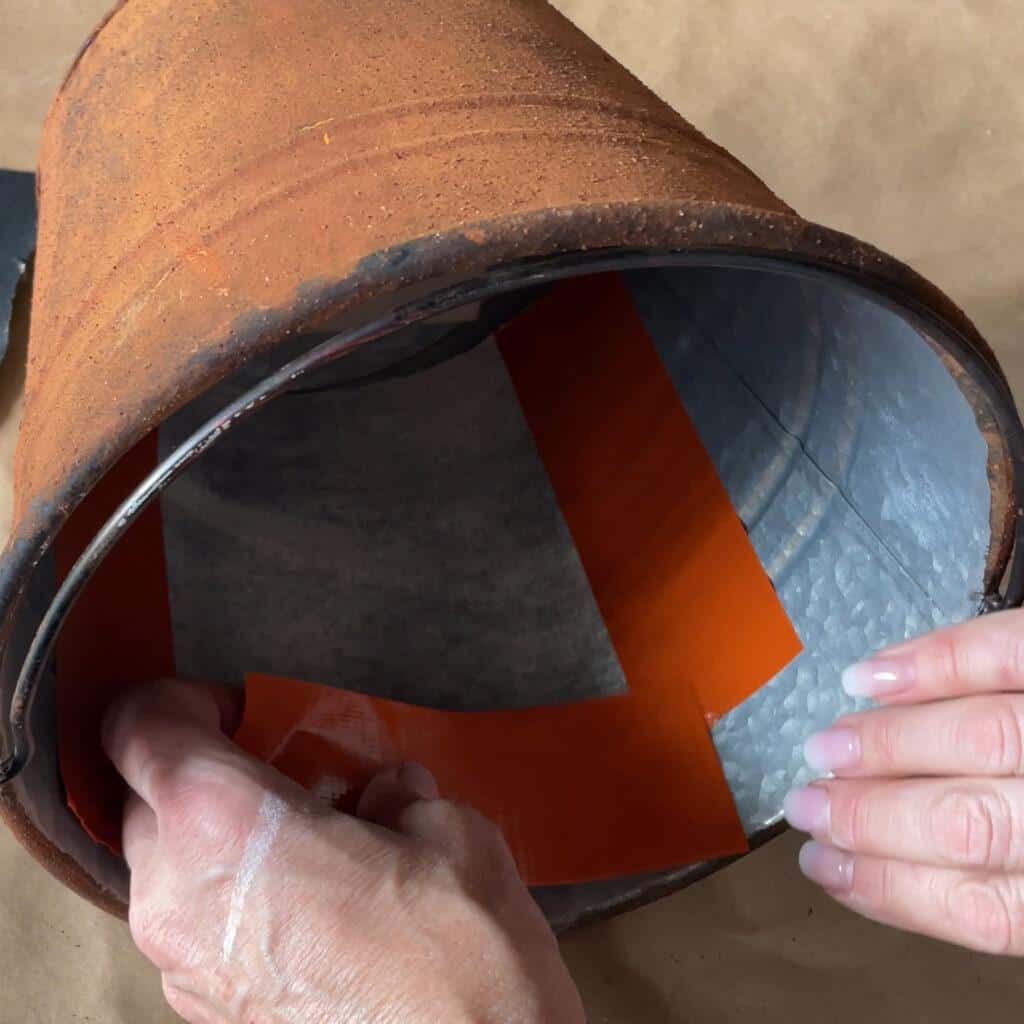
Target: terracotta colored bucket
[(234, 195)]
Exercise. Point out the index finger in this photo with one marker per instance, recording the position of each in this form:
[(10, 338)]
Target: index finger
[(985, 655)]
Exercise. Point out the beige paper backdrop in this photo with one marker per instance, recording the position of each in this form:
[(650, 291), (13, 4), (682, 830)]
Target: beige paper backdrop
[(897, 120)]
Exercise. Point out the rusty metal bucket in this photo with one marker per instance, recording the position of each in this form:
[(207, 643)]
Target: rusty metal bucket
[(234, 195)]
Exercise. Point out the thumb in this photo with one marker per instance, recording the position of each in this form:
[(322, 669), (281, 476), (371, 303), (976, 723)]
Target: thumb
[(150, 731)]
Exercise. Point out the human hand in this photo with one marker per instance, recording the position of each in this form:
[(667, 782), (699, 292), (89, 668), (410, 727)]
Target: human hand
[(261, 905), (922, 826)]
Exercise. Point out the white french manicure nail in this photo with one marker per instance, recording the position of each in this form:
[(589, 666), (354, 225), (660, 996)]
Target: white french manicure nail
[(879, 677)]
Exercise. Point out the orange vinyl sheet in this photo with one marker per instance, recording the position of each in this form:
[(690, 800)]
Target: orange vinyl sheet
[(587, 790)]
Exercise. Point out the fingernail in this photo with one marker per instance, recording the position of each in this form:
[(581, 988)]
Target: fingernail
[(879, 677), (826, 866), (832, 750), (807, 809)]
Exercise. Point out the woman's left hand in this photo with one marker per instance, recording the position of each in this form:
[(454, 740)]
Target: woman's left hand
[(922, 825)]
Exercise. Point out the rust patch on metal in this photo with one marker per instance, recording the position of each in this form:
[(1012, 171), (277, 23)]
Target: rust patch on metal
[(181, 156)]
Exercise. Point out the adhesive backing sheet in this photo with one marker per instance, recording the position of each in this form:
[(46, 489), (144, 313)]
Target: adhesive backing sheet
[(524, 572)]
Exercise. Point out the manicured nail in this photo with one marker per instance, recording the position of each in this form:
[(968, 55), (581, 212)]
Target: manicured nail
[(832, 750), (826, 866), (807, 809), (879, 677)]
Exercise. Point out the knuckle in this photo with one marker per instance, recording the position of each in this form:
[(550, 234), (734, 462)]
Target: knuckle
[(159, 935), (990, 737), (429, 873), (973, 828), (851, 816), (182, 1003), (439, 828), (874, 884), (442, 817), (482, 837), (158, 775), (981, 914), (424, 862), (187, 1006), (884, 740), (189, 807), (887, 884), (213, 816), (457, 823), (945, 658)]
